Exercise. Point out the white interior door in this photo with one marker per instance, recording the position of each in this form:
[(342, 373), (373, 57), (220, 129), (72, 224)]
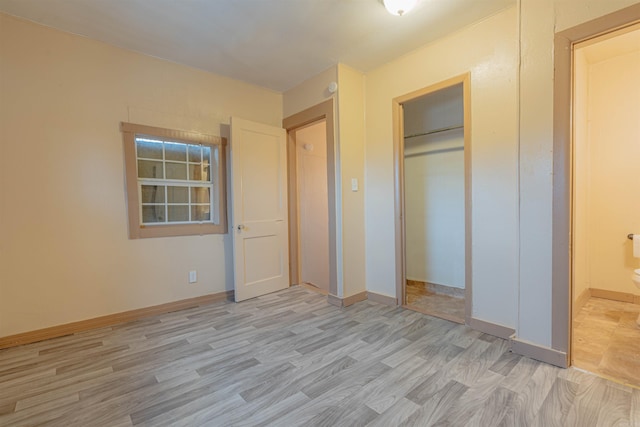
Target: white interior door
[(259, 208)]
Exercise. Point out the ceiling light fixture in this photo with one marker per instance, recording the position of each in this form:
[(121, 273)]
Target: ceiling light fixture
[(399, 7)]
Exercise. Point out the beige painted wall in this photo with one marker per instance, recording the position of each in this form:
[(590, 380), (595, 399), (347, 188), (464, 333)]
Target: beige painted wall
[(488, 50), (580, 171), (610, 180), (310, 92), (65, 255), (351, 146), (540, 19)]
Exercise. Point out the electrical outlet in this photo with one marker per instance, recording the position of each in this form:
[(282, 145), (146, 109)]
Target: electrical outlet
[(193, 276)]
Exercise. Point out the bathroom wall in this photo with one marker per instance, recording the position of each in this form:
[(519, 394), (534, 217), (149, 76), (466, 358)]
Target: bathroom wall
[(434, 189), (606, 168), (580, 171)]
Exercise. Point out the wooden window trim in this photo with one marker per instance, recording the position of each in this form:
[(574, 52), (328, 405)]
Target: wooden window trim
[(138, 231)]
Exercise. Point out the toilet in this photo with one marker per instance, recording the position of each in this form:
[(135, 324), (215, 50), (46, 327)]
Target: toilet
[(636, 280)]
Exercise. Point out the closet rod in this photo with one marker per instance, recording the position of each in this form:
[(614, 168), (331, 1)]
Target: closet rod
[(434, 131)]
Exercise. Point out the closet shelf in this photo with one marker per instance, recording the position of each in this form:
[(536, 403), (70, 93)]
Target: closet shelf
[(431, 132)]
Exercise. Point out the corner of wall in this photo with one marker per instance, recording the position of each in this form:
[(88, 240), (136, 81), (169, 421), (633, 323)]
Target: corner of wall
[(351, 143), (311, 92)]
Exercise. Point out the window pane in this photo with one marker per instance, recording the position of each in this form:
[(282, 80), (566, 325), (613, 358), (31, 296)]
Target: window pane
[(149, 149), (175, 151), (152, 194), (194, 153), (150, 169), (209, 163), (206, 154), (200, 213), (178, 213), (178, 194), (200, 195), (176, 170), (152, 214), (195, 172)]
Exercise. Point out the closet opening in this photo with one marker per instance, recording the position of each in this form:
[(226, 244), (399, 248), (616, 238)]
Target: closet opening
[(433, 170)]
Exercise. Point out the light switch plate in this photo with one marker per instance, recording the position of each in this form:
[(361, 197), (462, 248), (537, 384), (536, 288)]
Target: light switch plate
[(354, 184)]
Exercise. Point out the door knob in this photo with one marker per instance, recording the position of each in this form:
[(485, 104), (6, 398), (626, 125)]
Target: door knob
[(240, 227)]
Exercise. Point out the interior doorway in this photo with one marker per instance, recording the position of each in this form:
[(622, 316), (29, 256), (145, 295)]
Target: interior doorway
[(433, 172), (605, 149), (312, 206)]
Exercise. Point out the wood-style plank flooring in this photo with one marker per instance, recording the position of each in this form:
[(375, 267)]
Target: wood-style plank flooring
[(291, 359), (606, 340), (422, 299)]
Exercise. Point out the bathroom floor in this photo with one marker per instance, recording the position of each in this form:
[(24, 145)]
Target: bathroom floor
[(421, 299), (606, 340)]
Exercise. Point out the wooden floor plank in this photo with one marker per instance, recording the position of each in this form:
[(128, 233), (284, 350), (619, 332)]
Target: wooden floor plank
[(290, 358), (556, 406)]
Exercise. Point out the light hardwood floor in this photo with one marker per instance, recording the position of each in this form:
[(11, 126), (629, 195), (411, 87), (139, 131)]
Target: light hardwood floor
[(290, 359), (606, 340), (437, 304)]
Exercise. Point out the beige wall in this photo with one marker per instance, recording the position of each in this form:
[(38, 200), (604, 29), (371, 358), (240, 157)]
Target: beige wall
[(580, 171), (310, 92), (488, 50), (65, 255), (351, 146), (540, 19), (609, 173)]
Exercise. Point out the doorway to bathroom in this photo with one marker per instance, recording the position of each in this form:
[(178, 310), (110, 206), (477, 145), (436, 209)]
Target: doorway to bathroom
[(433, 166), (605, 336)]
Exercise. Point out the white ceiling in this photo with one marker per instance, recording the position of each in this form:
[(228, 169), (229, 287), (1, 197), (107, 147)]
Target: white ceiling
[(271, 43)]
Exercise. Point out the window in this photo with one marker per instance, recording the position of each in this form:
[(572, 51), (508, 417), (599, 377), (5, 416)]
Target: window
[(175, 182)]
